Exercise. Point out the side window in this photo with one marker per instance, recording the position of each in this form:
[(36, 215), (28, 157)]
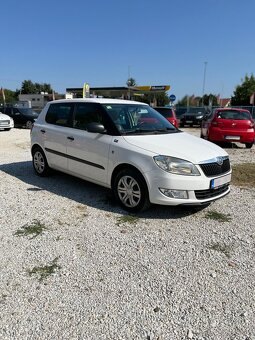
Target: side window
[(87, 113), (60, 114), (8, 111), (16, 111)]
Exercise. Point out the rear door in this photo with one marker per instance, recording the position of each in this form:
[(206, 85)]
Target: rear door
[(55, 134)]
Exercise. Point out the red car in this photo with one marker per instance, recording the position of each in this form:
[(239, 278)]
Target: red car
[(168, 113), (229, 125)]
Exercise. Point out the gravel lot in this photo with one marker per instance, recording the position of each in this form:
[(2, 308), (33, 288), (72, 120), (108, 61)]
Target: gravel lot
[(94, 272)]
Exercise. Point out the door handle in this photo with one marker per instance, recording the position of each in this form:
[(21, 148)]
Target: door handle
[(43, 131), (70, 138)]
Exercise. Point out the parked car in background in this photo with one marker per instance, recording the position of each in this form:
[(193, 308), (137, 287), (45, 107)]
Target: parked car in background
[(129, 147), (168, 113), (23, 117), (192, 118), (229, 125), (6, 122)]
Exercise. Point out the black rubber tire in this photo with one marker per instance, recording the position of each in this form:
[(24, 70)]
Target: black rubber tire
[(248, 145), (8, 129), (29, 124), (40, 163), (138, 197)]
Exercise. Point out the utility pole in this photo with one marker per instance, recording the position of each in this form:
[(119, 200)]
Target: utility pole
[(205, 66)]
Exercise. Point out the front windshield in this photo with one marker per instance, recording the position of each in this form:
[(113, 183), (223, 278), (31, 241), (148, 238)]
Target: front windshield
[(137, 119)]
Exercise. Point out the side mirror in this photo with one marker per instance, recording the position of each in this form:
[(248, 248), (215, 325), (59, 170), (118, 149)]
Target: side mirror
[(95, 127)]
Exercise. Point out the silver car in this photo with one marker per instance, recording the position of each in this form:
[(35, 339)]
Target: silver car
[(6, 122)]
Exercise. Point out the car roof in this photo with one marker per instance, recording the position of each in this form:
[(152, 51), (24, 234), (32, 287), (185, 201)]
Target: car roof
[(231, 109), (98, 100)]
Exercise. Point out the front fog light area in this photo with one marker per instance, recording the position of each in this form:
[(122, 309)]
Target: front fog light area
[(181, 194)]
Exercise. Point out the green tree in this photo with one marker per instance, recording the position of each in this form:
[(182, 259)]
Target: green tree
[(162, 98), (131, 82), (28, 87), (210, 99), (10, 96), (243, 92)]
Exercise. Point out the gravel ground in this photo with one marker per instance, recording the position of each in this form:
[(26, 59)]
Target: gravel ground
[(94, 272)]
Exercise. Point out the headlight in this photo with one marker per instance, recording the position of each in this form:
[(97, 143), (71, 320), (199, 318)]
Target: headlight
[(176, 165)]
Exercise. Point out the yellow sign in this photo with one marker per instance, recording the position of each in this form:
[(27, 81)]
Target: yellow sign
[(152, 88), (85, 91)]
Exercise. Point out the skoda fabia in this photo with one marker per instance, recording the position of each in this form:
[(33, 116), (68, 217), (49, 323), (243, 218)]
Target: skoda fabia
[(131, 148)]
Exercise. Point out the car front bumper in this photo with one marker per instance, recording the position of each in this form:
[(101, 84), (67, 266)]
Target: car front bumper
[(197, 189)]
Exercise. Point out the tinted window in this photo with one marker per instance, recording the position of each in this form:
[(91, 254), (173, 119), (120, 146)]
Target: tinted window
[(60, 114), (87, 113), (167, 113), (235, 115), (8, 111)]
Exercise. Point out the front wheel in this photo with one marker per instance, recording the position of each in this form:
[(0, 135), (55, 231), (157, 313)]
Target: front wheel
[(131, 191), (248, 145), (29, 124), (40, 163)]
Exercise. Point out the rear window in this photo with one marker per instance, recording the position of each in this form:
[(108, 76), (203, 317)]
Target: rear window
[(234, 115), (167, 113)]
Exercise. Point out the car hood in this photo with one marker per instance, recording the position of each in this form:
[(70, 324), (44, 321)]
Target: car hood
[(180, 145), (4, 117)]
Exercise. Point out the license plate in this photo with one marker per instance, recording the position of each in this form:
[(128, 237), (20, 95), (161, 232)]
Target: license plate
[(189, 121), (232, 137), (218, 182)]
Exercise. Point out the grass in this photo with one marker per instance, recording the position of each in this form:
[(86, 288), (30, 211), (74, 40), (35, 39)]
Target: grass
[(34, 229), (223, 248), (45, 271), (214, 215), (130, 219), (243, 175)]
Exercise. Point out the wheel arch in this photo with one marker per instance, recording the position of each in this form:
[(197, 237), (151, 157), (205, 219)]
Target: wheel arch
[(36, 146), (123, 166)]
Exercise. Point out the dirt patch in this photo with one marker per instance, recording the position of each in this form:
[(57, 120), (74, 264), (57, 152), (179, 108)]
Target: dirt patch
[(244, 175)]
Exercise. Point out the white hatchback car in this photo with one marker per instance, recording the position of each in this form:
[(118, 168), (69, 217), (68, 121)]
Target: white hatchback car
[(6, 122), (131, 148)]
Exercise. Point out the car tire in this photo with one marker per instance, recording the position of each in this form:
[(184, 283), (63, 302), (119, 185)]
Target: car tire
[(40, 163), (248, 145), (29, 124), (8, 129), (130, 190)]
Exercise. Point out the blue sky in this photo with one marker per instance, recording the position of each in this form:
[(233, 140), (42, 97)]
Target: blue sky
[(164, 42)]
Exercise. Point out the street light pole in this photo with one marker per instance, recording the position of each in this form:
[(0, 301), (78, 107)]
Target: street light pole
[(205, 65)]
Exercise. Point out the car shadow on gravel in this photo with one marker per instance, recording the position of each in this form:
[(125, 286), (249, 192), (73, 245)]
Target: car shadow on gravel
[(87, 193)]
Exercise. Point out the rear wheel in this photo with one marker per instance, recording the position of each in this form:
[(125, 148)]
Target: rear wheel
[(40, 163), (131, 191), (248, 145)]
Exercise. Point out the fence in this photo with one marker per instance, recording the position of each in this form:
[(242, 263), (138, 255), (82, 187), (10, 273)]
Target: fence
[(180, 110)]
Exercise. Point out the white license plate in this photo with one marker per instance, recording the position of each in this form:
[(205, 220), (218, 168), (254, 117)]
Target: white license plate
[(232, 137), (218, 182), (189, 121)]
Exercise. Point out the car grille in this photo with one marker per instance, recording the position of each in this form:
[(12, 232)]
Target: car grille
[(4, 122), (210, 193), (214, 169)]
